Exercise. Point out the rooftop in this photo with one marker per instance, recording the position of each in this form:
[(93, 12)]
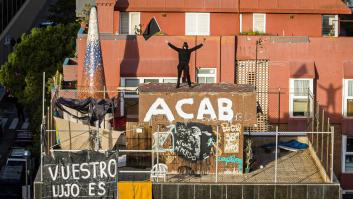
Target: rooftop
[(293, 168), (220, 87)]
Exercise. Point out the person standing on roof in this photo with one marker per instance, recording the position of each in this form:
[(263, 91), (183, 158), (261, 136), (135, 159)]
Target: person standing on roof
[(184, 58)]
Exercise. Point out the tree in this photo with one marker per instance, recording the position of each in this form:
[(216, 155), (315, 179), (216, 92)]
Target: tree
[(44, 49)]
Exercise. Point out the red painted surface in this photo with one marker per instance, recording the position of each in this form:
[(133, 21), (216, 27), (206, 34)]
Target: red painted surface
[(105, 9), (301, 18), (224, 23), (247, 22), (153, 58), (269, 6), (116, 20), (328, 54), (347, 126), (294, 24), (81, 48), (70, 72), (171, 23), (346, 181)]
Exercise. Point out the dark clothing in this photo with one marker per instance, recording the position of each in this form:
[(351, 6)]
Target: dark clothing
[(184, 58)]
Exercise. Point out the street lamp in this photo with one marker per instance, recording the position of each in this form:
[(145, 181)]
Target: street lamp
[(27, 155)]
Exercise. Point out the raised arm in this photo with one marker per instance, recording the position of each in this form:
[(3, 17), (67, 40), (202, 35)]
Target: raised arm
[(196, 47), (173, 47)]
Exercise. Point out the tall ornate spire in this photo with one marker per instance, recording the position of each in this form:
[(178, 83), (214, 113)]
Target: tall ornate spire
[(93, 71)]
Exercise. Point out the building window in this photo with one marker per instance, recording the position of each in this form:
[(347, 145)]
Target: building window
[(347, 150), (349, 3), (259, 22), (300, 102), (330, 25), (129, 23), (197, 23), (130, 99), (348, 97), (206, 75)]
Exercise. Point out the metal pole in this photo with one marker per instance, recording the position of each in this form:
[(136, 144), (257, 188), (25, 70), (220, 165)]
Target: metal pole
[(157, 149), (217, 142), (279, 106), (42, 130), (257, 43), (332, 145), (276, 158), (322, 135), (327, 145), (117, 173), (317, 126), (27, 179)]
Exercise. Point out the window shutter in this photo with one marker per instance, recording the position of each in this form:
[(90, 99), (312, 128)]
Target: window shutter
[(203, 24), (191, 24), (124, 23), (135, 21), (259, 23)]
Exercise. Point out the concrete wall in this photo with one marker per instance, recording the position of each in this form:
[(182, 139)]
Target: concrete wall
[(22, 22)]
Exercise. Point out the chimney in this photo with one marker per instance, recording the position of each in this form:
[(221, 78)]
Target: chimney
[(105, 9)]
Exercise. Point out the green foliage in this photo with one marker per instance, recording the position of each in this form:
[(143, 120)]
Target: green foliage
[(63, 12), (252, 33), (43, 50), (84, 14)]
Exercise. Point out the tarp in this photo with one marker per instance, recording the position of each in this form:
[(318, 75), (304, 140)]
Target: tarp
[(91, 109), (134, 190), (80, 137)]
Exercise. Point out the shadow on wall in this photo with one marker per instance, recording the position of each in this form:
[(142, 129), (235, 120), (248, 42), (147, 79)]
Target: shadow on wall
[(301, 71), (122, 4), (128, 67), (129, 63), (330, 96)]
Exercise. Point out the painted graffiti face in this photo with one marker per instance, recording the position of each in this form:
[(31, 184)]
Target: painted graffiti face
[(192, 141)]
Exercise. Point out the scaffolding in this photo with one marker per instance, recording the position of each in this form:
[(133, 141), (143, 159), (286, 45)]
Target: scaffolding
[(319, 137)]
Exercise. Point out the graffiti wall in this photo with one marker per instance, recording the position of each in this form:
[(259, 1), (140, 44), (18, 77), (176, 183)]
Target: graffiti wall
[(84, 174), (190, 148), (230, 160), (195, 105)]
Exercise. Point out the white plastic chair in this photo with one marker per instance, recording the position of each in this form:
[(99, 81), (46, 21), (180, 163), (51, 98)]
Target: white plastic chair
[(159, 171)]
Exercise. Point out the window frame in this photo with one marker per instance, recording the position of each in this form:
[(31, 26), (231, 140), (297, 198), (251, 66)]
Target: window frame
[(344, 153), (141, 80), (336, 25), (345, 97), (253, 21), (120, 22), (197, 23), (292, 97), (206, 75)]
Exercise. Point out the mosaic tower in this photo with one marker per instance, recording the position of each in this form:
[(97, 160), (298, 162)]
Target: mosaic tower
[(93, 71)]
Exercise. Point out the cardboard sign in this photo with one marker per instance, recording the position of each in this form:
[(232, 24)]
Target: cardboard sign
[(84, 174), (215, 107)]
